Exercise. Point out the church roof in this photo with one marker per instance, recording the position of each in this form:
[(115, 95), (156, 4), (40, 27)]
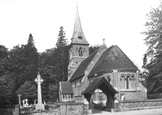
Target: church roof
[(66, 88), (113, 59), (80, 70), (78, 35), (96, 83)]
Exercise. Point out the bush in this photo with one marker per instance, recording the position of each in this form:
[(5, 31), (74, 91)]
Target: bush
[(154, 96), (6, 112)]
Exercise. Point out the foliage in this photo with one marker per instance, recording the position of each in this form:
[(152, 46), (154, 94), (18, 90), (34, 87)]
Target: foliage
[(143, 78), (28, 90), (53, 92), (153, 40)]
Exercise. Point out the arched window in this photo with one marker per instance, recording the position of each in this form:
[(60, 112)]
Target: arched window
[(128, 81), (122, 82), (80, 51)]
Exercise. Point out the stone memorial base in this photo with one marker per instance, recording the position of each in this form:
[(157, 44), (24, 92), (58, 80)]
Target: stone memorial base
[(40, 107)]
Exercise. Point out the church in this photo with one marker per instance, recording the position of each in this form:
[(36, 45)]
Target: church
[(105, 75)]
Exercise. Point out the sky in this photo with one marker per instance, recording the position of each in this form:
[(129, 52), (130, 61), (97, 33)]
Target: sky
[(120, 22)]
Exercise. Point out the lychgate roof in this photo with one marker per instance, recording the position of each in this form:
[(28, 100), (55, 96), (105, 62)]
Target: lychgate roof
[(97, 83), (66, 88)]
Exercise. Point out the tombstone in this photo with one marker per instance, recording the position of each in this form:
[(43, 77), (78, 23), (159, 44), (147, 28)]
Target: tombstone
[(23, 103), (19, 96), (34, 102), (44, 103), (39, 105), (26, 102)]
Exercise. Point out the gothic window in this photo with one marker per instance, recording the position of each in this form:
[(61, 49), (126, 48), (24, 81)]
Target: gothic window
[(128, 82), (80, 51), (132, 81), (122, 81)]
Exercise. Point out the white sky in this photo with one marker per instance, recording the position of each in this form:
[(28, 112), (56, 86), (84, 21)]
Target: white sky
[(118, 21)]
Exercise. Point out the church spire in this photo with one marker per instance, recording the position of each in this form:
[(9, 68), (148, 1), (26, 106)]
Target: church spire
[(78, 35)]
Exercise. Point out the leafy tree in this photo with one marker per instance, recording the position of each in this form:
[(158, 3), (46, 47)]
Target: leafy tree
[(53, 64), (143, 78), (5, 94), (154, 53), (3, 60), (53, 92), (28, 90)]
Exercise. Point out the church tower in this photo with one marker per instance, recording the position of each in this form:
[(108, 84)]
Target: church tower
[(79, 47)]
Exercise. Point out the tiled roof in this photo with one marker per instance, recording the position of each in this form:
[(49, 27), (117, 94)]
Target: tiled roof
[(97, 83), (80, 70), (66, 88), (113, 59)]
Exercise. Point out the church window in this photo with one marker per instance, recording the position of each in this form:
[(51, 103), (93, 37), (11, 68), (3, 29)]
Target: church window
[(85, 50), (128, 82), (80, 51), (122, 82)]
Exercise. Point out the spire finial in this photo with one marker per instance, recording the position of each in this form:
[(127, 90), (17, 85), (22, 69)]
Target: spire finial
[(103, 40), (77, 4)]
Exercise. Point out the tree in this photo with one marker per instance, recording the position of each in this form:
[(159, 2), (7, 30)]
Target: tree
[(61, 40), (153, 40), (3, 60), (28, 90), (62, 54), (53, 64), (53, 92)]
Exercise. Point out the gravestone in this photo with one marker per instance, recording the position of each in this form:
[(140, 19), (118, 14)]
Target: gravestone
[(39, 105), (19, 96)]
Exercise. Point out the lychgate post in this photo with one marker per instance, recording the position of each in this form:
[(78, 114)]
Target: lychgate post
[(39, 105)]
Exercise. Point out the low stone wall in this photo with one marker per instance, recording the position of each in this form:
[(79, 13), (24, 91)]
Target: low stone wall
[(72, 109), (137, 105)]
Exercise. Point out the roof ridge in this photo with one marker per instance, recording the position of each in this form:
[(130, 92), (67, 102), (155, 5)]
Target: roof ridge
[(95, 59)]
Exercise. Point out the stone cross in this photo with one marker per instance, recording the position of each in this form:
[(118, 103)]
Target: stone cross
[(19, 96), (40, 105)]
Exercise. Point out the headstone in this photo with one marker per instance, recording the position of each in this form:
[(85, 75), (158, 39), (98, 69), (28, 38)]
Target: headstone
[(19, 96), (40, 105), (26, 102), (23, 103), (44, 103), (34, 102)]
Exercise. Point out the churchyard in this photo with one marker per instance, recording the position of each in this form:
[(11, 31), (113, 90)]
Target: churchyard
[(40, 107)]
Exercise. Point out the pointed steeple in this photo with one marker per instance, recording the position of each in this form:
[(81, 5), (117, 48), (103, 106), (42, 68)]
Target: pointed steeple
[(78, 35)]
